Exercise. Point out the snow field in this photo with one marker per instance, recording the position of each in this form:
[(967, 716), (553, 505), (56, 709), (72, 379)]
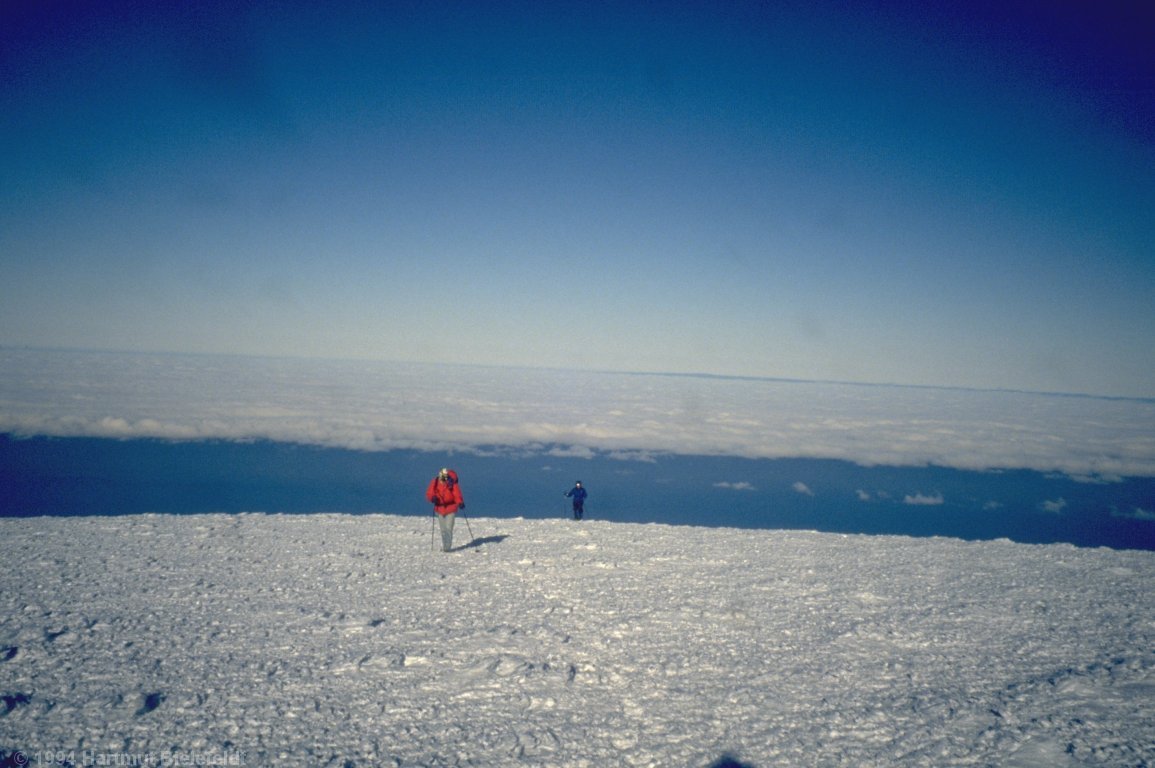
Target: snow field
[(333, 640)]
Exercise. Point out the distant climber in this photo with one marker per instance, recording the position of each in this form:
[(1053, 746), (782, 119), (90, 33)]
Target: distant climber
[(578, 494)]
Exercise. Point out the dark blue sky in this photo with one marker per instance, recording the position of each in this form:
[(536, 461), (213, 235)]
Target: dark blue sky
[(955, 194)]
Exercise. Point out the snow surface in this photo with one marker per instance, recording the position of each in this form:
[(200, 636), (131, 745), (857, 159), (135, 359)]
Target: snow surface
[(333, 640)]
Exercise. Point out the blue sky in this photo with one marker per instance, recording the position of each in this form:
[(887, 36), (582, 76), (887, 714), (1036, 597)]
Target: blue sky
[(872, 192)]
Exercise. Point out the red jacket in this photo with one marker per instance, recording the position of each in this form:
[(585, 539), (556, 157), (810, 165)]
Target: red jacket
[(445, 495)]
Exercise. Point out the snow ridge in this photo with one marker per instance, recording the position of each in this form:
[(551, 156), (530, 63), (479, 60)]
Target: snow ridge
[(332, 640)]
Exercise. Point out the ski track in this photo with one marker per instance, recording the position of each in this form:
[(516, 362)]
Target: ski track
[(332, 640)]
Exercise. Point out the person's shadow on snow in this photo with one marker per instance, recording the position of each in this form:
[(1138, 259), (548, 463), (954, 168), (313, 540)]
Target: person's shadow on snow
[(725, 761), (484, 540)]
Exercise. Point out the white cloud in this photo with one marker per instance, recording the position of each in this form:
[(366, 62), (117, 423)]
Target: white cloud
[(1096, 479), (802, 488), (1136, 513), (1055, 507), (381, 406), (862, 495), (573, 452), (739, 486), (645, 457), (919, 500)]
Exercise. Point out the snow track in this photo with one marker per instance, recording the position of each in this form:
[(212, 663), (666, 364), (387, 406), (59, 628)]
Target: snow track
[(333, 640)]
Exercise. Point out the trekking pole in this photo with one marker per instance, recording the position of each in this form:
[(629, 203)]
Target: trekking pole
[(466, 519), (433, 534)]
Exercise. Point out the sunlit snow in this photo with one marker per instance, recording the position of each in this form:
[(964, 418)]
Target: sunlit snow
[(331, 640)]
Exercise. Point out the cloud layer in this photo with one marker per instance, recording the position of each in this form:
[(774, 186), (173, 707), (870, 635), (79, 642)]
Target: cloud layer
[(382, 406)]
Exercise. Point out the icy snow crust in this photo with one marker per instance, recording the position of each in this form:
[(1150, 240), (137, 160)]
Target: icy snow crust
[(331, 640)]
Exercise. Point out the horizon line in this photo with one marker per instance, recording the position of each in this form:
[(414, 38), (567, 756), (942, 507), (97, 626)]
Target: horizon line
[(603, 371)]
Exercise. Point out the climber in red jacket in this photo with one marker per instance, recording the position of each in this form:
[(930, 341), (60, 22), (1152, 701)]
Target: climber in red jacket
[(445, 494)]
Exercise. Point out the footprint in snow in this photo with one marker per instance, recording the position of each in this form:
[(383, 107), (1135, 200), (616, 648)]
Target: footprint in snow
[(151, 702), (11, 701)]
